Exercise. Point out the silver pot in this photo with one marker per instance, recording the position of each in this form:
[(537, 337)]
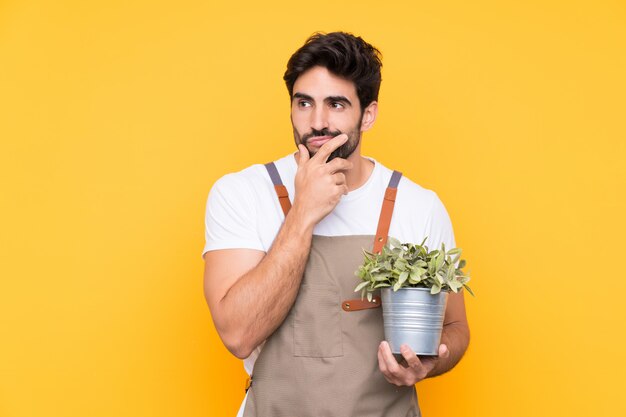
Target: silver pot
[(413, 316)]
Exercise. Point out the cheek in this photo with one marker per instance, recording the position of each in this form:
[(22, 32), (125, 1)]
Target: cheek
[(346, 124), (298, 120)]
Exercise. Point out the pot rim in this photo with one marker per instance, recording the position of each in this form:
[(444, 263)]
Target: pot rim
[(413, 288)]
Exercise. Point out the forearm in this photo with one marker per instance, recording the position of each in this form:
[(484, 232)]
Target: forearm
[(456, 337), (260, 300)]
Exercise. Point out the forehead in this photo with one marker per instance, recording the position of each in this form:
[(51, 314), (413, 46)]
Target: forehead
[(319, 83)]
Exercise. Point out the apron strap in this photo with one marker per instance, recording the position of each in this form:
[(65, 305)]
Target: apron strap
[(386, 212), (379, 241), (281, 190)]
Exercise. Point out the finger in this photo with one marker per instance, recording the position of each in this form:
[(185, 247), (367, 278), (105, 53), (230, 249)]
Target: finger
[(392, 365), (303, 154), (398, 374), (444, 352), (338, 164), (381, 362), (339, 177), (324, 152), (410, 357), (382, 365)]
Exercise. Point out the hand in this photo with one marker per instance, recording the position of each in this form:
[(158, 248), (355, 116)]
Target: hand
[(319, 185), (412, 369)]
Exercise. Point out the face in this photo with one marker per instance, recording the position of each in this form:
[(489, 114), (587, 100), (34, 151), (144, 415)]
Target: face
[(322, 107)]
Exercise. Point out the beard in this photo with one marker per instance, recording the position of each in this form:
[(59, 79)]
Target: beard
[(344, 151)]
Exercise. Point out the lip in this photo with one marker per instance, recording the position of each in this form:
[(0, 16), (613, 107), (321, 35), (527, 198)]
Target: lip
[(318, 140)]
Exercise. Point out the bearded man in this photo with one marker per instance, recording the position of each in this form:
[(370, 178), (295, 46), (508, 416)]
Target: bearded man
[(283, 241)]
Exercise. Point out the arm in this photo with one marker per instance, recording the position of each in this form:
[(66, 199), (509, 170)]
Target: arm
[(455, 333), (249, 293)]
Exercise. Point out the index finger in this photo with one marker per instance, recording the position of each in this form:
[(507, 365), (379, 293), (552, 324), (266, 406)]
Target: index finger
[(410, 357), (392, 365), (324, 152)]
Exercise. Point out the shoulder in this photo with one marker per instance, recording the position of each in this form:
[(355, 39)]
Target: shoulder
[(242, 211), (243, 187), (419, 213), (409, 192), (251, 189), (246, 178), (256, 175)]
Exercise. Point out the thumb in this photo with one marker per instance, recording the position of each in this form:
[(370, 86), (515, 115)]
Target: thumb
[(303, 155), (444, 352)]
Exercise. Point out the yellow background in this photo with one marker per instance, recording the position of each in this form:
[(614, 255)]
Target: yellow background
[(116, 117)]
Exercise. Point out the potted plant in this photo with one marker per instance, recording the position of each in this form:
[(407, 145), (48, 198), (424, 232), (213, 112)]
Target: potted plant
[(414, 284)]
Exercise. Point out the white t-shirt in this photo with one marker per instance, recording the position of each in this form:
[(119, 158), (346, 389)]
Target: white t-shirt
[(243, 211)]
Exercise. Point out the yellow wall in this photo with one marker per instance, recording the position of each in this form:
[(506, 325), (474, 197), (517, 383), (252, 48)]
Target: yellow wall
[(117, 116)]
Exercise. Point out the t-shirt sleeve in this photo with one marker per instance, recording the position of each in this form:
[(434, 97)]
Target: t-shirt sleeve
[(231, 216), (439, 227)]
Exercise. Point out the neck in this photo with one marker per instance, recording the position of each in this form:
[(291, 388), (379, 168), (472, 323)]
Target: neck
[(361, 170)]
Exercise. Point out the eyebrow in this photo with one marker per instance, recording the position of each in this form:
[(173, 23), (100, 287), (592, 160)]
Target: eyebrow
[(340, 99)]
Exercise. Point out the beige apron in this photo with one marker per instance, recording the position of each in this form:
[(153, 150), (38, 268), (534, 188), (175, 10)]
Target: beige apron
[(322, 360)]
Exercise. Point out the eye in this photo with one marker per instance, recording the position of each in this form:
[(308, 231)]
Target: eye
[(304, 103), (336, 105)]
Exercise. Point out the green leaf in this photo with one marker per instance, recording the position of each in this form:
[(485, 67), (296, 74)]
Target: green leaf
[(392, 241), (416, 274), (403, 276), (450, 273), (469, 290), (432, 266), (439, 262), (361, 286), (454, 286), (407, 264)]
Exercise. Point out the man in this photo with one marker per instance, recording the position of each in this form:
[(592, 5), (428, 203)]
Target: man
[(283, 242)]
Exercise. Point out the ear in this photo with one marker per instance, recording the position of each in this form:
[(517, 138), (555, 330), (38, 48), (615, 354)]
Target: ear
[(369, 116)]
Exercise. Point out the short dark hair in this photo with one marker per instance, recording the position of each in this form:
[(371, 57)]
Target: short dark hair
[(344, 55)]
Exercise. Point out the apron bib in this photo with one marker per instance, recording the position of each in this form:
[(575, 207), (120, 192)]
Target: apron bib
[(322, 360)]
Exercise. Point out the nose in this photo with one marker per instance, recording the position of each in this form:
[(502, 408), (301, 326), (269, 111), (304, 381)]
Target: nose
[(319, 118)]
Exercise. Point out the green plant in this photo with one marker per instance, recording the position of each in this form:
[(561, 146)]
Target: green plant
[(409, 265)]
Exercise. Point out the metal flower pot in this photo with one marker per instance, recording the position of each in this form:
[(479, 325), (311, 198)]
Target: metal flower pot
[(413, 316)]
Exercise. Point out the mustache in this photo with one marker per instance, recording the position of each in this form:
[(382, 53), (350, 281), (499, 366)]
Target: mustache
[(315, 133)]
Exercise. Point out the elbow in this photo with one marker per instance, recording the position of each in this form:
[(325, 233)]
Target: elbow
[(237, 346), (234, 338), (240, 351)]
